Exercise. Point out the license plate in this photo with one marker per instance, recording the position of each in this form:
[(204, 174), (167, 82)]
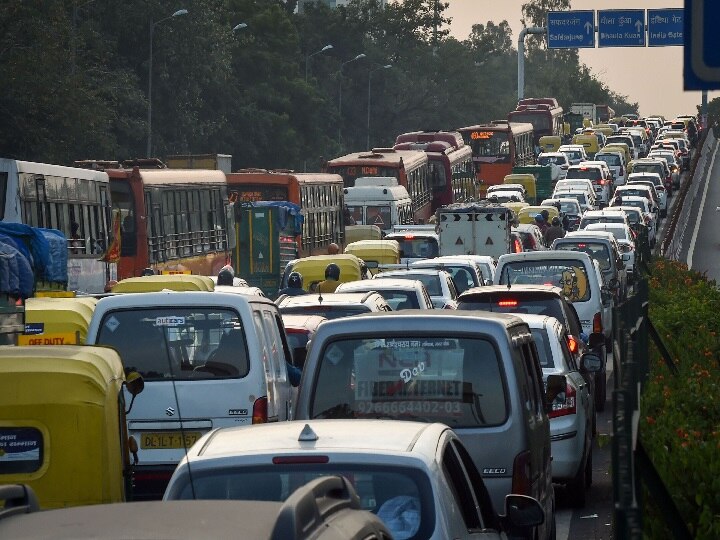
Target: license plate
[(168, 440)]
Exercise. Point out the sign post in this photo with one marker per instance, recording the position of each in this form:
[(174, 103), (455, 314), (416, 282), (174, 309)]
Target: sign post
[(702, 45), (665, 27), (621, 28), (571, 29)]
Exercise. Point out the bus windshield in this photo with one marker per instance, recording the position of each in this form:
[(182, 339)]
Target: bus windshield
[(540, 120), (490, 144)]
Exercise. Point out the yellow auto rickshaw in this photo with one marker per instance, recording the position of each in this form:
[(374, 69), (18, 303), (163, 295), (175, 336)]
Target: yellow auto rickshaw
[(57, 321), (527, 214), (353, 233), (172, 282), (312, 269), (515, 206), (550, 143), (621, 147), (527, 180), (62, 423), (589, 142), (375, 252), (606, 130)]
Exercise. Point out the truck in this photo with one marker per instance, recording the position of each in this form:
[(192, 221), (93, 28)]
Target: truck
[(588, 110), (379, 201), (604, 113), (478, 228)]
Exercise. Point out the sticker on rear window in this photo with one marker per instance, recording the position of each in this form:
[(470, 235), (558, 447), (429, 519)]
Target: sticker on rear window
[(112, 324), (169, 321)]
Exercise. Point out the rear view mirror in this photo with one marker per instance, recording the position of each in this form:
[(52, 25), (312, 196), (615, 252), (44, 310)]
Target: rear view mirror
[(554, 387), (134, 383), (522, 511), (590, 362)]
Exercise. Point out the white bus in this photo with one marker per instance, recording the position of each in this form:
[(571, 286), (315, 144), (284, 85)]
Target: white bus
[(74, 201), (379, 201)]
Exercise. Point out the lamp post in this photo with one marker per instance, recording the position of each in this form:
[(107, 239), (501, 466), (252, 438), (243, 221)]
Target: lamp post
[(309, 56), (358, 57), (178, 13), (386, 66)]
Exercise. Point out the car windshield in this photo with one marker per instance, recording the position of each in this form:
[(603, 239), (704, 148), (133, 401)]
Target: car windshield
[(568, 274), (431, 281), (633, 192), (649, 167), (177, 343), (573, 154), (597, 250), (509, 302), (624, 202), (542, 343), (456, 381), (327, 311), (400, 496)]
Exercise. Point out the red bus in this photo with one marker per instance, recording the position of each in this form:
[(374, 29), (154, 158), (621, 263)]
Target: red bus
[(409, 167), (497, 148), (319, 195), (173, 220), (452, 174), (545, 115)]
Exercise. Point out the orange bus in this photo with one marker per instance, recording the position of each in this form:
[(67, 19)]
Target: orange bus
[(452, 175), (497, 148), (319, 195), (409, 167), (172, 220)]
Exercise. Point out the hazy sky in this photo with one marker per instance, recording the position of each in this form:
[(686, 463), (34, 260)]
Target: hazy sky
[(652, 76)]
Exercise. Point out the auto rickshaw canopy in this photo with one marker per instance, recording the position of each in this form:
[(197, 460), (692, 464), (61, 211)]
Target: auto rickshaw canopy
[(527, 214), (64, 321), (377, 251), (172, 282), (526, 179), (353, 233), (313, 268), (61, 419)]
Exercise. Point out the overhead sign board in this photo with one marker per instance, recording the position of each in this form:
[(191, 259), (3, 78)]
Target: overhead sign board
[(621, 28), (702, 45), (665, 27), (571, 29)]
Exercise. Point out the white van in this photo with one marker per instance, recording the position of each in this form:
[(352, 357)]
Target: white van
[(209, 359), (379, 201)]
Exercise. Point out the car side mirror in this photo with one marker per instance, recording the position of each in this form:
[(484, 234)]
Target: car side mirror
[(554, 387), (134, 383), (522, 511), (626, 257), (590, 362)]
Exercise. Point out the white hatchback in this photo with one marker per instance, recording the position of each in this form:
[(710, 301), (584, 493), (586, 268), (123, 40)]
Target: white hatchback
[(418, 478)]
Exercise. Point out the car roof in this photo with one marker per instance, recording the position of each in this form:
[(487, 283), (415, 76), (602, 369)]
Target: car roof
[(541, 255), (410, 270), (171, 298), (349, 436), (549, 290), (313, 299), (582, 234), (594, 213), (387, 283), (539, 321), (445, 259), (301, 320), (606, 226)]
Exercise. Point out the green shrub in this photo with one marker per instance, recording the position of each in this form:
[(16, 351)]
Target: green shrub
[(680, 414)]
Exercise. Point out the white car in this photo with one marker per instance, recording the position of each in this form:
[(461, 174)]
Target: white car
[(639, 190), (616, 162), (465, 271), (506, 187), (625, 239), (398, 293), (572, 418), (557, 161), (418, 478), (585, 199), (568, 207), (439, 284), (574, 152), (505, 196), (641, 204), (653, 180), (603, 216)]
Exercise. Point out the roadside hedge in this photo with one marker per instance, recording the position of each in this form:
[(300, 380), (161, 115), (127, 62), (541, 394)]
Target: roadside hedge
[(680, 414)]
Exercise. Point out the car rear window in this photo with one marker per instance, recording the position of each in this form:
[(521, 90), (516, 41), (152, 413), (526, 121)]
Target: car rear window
[(569, 275), (585, 221), (401, 497), (431, 281), (177, 343), (456, 381), (611, 159), (649, 167), (554, 160), (399, 299), (514, 303), (589, 173), (328, 311), (597, 250), (579, 197), (416, 247)]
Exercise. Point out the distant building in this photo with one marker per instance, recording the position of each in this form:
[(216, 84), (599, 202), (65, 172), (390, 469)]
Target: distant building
[(330, 3)]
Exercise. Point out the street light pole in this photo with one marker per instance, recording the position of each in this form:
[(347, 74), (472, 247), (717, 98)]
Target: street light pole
[(386, 66), (309, 56), (358, 57), (150, 76)]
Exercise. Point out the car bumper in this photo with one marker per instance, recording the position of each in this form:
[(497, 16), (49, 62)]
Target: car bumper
[(567, 445)]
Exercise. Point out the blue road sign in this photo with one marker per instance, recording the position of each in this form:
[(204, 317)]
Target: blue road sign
[(665, 27), (702, 45), (571, 29), (621, 28)]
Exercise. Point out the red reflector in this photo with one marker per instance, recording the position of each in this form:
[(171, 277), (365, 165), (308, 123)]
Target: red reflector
[(409, 236), (296, 460), (260, 410), (582, 245), (507, 303), (597, 324), (572, 344)]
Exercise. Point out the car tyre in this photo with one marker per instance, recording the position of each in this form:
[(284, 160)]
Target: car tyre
[(577, 487), (600, 392), (588, 468)]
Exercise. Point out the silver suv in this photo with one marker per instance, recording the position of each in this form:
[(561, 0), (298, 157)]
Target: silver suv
[(333, 305)]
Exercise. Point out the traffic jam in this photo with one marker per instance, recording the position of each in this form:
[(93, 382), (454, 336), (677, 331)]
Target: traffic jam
[(431, 322)]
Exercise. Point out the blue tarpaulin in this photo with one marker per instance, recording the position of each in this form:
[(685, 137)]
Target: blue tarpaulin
[(47, 249), (287, 211), (16, 275)]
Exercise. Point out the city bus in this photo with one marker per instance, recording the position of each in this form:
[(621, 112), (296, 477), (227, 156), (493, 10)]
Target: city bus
[(72, 200), (172, 220), (545, 115), (319, 196), (409, 167), (452, 174), (497, 148)]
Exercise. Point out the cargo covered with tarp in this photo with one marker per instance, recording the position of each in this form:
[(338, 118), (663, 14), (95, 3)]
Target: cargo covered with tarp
[(45, 249)]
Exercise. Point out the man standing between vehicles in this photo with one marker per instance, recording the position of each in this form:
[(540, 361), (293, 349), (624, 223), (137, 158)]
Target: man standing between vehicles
[(332, 279), (541, 223), (553, 232)]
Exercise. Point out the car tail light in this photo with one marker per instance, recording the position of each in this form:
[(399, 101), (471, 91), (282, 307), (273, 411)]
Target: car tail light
[(299, 460), (518, 246), (260, 410), (597, 324), (572, 344), (508, 303), (569, 406), (409, 236), (521, 483), (602, 182)]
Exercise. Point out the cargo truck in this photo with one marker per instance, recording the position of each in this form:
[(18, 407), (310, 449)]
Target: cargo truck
[(588, 111), (474, 229)]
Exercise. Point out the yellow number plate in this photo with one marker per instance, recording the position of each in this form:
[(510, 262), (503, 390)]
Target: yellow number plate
[(168, 440)]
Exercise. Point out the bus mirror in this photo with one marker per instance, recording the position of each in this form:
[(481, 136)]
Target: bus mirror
[(230, 220)]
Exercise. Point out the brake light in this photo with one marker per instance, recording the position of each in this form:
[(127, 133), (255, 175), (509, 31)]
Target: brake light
[(518, 246), (508, 303), (409, 236), (569, 406), (297, 460), (602, 182), (521, 484), (260, 410), (572, 344), (597, 324)]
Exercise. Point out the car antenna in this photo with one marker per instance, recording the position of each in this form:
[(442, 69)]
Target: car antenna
[(320, 298)]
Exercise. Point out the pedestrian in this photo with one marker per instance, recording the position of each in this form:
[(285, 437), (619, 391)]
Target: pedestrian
[(295, 285), (553, 232), (540, 222), (332, 279)]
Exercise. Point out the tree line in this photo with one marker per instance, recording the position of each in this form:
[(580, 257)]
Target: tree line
[(250, 77)]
